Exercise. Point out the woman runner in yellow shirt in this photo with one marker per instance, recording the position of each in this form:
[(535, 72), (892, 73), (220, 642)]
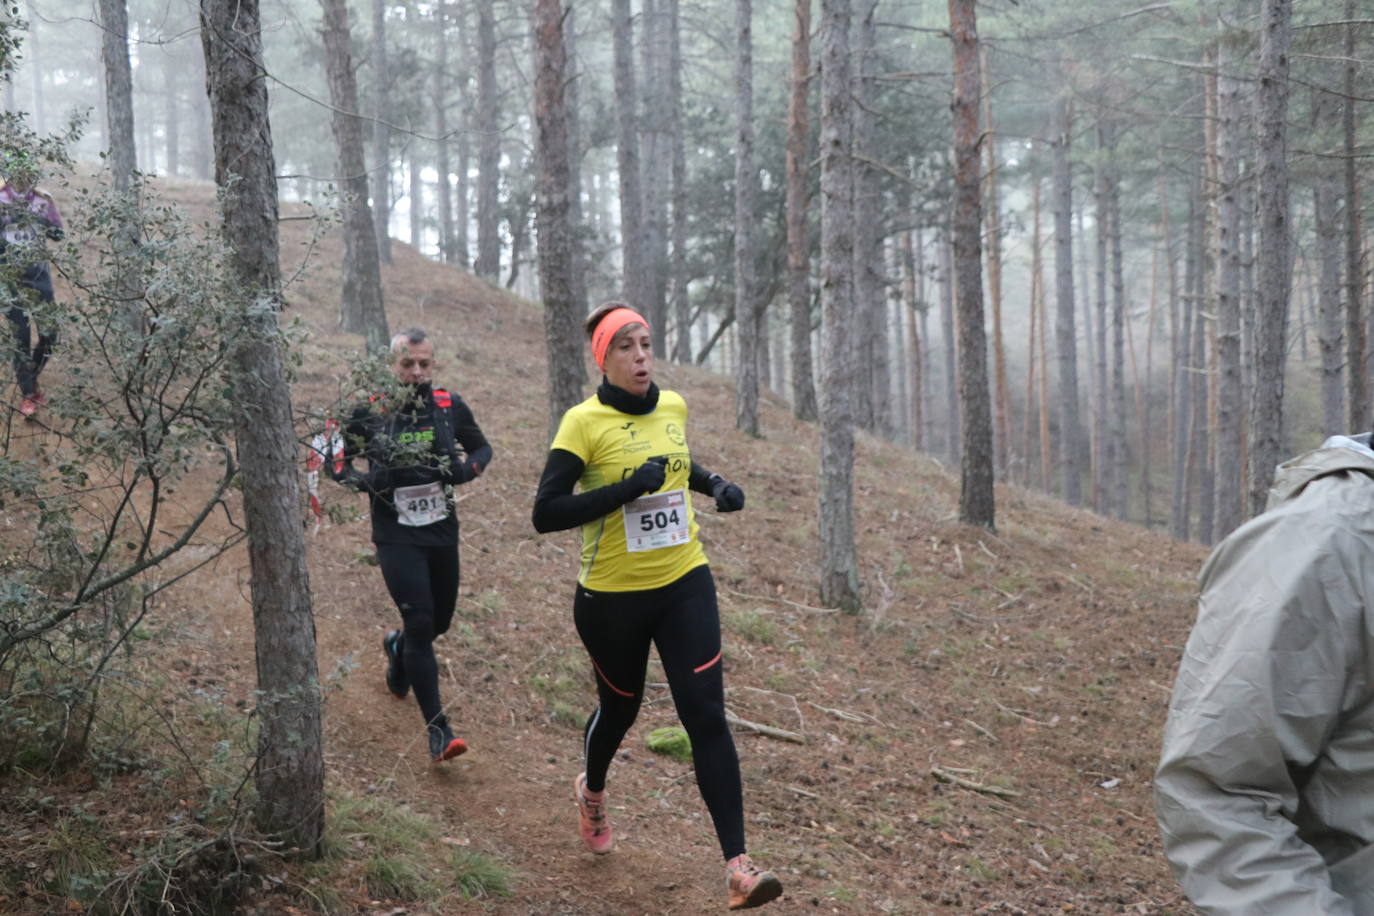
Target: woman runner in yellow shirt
[(644, 579)]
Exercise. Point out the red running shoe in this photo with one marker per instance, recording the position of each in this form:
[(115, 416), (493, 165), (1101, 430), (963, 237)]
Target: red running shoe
[(442, 743), (594, 827), (749, 886)]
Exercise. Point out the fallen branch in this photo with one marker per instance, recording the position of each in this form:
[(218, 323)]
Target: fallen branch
[(795, 604), (945, 775), (982, 731), (838, 713), (781, 734), (803, 792)]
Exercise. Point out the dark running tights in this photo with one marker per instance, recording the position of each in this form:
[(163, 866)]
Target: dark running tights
[(423, 581), (682, 620), (29, 361)]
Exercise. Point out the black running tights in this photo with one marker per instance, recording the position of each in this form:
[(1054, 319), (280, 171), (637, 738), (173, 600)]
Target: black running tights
[(423, 581), (682, 620), (30, 360)]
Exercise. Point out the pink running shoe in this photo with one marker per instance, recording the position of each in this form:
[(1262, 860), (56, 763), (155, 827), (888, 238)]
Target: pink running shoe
[(28, 406), (748, 885), (594, 828)]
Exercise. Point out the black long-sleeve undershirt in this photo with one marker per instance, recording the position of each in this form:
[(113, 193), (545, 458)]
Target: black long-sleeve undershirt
[(558, 508)]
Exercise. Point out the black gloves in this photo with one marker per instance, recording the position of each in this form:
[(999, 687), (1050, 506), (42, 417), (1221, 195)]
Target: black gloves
[(648, 477), (729, 497)]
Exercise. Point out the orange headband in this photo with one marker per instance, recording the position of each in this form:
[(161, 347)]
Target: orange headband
[(608, 327)]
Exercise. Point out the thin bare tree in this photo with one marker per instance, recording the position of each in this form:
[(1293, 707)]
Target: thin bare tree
[(290, 767), (976, 503), (1271, 115), (362, 309), (839, 557)]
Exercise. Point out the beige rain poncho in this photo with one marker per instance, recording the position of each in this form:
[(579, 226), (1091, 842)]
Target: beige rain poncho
[(1265, 789)]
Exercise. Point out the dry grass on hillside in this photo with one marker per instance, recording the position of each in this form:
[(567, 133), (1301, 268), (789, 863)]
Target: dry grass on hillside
[(1034, 663)]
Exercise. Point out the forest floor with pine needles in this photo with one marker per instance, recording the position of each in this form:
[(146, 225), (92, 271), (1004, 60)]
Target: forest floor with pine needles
[(979, 740)]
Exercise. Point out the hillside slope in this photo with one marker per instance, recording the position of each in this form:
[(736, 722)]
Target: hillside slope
[(1036, 661)]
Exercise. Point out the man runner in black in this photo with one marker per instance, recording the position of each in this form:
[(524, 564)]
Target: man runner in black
[(644, 579), (418, 447)]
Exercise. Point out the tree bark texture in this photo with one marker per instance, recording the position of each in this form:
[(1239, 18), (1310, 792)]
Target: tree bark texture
[(682, 306), (1326, 191), (839, 559), (1271, 103), (561, 314), (1002, 393), (657, 165), (290, 766), (573, 119), (1101, 442), (870, 341), (123, 151), (1356, 340), (798, 252), (746, 315), (1070, 430), (362, 310), (1230, 499), (381, 131), (1118, 495), (488, 263), (976, 503), (953, 428), (635, 282), (443, 188)]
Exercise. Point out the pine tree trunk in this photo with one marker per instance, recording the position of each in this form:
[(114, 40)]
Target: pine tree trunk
[(1230, 500), (682, 344), (1119, 493), (488, 263), (381, 132), (34, 49), (561, 311), (656, 165), (123, 156), (289, 771), (417, 199), (915, 360), (627, 156), (1356, 340), (746, 315), (976, 503), (1066, 338), (839, 579), (798, 252), (443, 164), (1002, 399), (870, 338), (1101, 442), (362, 310), (1038, 307), (953, 430), (1271, 102), (573, 119), (1326, 193)]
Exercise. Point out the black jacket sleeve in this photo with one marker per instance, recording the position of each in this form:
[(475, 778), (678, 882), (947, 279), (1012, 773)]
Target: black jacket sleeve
[(469, 435), (355, 439), (557, 507), (700, 480)]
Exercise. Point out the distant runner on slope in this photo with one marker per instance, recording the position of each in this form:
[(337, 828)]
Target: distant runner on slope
[(644, 579), (412, 446), (26, 216)]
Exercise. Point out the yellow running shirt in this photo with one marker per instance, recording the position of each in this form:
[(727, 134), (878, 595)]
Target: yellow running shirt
[(651, 541)]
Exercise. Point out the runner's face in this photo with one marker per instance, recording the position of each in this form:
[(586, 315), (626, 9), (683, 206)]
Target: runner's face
[(630, 360), (414, 363)]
